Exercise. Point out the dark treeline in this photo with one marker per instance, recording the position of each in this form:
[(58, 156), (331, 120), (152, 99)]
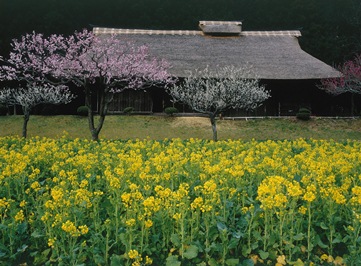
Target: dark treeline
[(331, 29)]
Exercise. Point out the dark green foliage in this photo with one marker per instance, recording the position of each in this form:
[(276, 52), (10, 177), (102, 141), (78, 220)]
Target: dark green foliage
[(304, 114), (49, 110), (171, 111), (82, 110), (128, 110), (3, 109), (330, 29)]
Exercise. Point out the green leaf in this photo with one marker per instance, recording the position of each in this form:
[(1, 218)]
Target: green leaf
[(299, 263), (298, 237), (212, 262), (221, 226), (173, 261), (3, 247), (2, 254), (297, 178), (42, 257), (123, 239), (233, 243), (232, 262), (99, 260), (175, 240), (116, 260), (263, 254), (37, 234), (247, 262), (257, 235), (22, 248), (320, 243), (254, 245), (21, 229), (237, 234), (324, 226), (246, 251), (191, 252), (336, 240)]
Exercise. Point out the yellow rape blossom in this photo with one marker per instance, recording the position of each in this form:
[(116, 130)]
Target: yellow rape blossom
[(148, 261), (133, 254), (51, 242), (130, 222), (19, 217), (309, 196), (70, 228), (148, 223), (177, 216), (83, 229), (4, 204)]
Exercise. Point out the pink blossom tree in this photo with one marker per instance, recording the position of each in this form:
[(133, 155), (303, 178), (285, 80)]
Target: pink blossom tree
[(101, 66), (30, 59), (349, 80), (104, 65)]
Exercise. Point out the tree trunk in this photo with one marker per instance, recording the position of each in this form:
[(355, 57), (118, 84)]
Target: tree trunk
[(212, 117), (88, 103), (103, 109), (26, 120)]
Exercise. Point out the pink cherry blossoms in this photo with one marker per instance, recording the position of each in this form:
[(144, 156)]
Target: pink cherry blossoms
[(349, 81), (108, 62)]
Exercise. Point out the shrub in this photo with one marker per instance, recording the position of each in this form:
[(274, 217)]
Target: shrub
[(128, 110), (171, 111), (3, 109), (304, 114), (82, 110)]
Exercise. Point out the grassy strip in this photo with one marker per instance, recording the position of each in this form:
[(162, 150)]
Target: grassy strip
[(157, 128)]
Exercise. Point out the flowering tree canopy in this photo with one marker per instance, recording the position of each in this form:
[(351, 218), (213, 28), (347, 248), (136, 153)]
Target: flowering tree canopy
[(111, 64), (349, 81), (30, 58), (213, 92), (30, 97), (118, 64), (209, 91), (30, 64)]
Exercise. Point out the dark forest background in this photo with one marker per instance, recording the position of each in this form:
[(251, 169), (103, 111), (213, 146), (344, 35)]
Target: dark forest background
[(331, 29)]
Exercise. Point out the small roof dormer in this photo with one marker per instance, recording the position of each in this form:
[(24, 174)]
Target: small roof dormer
[(221, 28)]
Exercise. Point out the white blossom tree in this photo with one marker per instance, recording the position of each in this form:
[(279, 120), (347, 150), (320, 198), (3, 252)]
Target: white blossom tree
[(214, 91), (32, 96)]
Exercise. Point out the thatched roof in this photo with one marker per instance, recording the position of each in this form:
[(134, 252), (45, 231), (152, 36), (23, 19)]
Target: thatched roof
[(272, 54)]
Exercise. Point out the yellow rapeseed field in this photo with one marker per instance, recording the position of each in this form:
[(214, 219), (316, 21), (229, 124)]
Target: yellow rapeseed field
[(179, 202)]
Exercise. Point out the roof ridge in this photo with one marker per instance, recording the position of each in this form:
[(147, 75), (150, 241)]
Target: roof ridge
[(215, 22), (98, 31)]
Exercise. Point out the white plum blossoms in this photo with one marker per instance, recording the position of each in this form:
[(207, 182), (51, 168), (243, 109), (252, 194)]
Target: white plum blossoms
[(212, 92)]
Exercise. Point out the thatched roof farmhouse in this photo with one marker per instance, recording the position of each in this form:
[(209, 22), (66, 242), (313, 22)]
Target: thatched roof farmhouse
[(272, 54), (275, 56)]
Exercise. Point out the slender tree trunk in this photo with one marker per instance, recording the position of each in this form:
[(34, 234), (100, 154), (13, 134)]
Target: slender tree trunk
[(26, 120), (103, 109), (88, 103), (212, 117), (104, 100)]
